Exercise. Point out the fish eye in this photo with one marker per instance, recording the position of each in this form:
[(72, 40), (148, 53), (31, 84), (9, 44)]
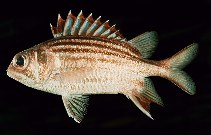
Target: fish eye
[(20, 61)]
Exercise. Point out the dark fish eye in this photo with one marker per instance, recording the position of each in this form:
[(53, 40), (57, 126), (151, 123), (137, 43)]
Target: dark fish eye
[(19, 61)]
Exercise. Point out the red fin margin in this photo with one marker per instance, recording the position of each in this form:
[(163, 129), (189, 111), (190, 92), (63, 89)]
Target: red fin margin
[(142, 103)]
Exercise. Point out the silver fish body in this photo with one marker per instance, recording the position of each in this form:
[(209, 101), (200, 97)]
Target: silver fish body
[(83, 65), (89, 57)]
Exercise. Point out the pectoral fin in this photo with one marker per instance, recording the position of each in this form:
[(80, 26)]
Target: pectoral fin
[(76, 106)]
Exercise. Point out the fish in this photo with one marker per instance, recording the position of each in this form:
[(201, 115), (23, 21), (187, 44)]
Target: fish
[(88, 57)]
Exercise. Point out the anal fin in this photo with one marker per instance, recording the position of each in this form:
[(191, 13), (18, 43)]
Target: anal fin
[(144, 96), (76, 106), (150, 93), (142, 103)]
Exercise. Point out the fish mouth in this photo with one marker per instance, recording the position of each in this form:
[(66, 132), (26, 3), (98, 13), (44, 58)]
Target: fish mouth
[(19, 77), (14, 75)]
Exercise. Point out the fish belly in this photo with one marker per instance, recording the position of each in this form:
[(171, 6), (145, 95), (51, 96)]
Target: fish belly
[(103, 81)]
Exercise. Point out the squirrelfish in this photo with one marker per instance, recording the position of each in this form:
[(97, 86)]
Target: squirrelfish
[(88, 57)]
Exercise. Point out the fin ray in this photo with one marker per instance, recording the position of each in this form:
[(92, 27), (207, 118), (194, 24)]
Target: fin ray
[(77, 24), (94, 26), (60, 26), (142, 103), (145, 43), (86, 24), (150, 93), (76, 106), (109, 31), (69, 23), (183, 81), (101, 29)]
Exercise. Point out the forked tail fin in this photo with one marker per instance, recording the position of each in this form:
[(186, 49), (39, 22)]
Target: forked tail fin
[(176, 63), (147, 94)]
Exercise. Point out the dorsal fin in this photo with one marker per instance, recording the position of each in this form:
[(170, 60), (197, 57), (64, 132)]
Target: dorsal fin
[(85, 26), (145, 43)]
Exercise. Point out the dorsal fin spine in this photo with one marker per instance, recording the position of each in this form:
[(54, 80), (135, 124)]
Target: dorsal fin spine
[(114, 34), (123, 40), (94, 26), (86, 24), (53, 30), (77, 23), (101, 29), (68, 24), (117, 38), (60, 25), (108, 31)]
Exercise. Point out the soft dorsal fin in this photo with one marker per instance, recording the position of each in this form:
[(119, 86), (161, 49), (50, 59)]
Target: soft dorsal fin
[(76, 106), (145, 43), (85, 26)]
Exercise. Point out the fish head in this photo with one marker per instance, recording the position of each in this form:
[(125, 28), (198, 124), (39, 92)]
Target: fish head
[(29, 67)]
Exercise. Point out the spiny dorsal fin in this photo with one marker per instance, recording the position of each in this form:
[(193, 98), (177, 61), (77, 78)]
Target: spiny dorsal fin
[(76, 106), (85, 26), (145, 43)]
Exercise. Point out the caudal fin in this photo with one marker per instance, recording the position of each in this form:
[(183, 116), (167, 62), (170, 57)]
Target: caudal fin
[(144, 96), (176, 63)]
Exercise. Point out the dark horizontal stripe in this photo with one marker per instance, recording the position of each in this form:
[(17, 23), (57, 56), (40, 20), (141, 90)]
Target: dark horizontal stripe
[(92, 47), (67, 62), (68, 40), (77, 50)]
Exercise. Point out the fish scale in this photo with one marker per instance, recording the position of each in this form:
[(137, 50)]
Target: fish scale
[(95, 79), (100, 72)]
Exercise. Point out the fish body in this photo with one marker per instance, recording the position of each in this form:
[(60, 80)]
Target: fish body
[(89, 57)]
